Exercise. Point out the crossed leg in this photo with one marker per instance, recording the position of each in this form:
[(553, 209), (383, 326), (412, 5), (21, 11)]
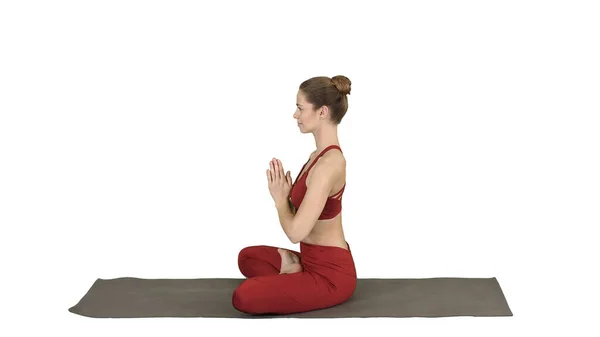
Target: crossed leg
[(267, 291), (263, 260)]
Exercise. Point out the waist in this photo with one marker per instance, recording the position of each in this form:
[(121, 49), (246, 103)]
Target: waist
[(337, 243)]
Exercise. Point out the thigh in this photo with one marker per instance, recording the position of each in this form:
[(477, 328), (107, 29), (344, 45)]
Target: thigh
[(260, 260), (283, 294)]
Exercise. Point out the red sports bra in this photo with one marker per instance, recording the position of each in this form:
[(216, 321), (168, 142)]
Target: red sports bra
[(333, 206)]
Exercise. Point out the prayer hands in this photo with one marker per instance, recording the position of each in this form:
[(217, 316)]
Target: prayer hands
[(280, 184)]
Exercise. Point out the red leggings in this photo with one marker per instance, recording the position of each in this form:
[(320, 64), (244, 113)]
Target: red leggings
[(328, 279)]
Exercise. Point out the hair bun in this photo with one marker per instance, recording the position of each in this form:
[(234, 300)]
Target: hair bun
[(342, 83)]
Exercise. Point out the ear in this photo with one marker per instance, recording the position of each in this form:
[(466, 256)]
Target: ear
[(324, 111)]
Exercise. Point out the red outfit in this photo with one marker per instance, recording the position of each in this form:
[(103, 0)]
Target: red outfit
[(333, 206), (328, 277)]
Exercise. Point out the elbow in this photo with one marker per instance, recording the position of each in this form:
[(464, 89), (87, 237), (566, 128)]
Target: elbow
[(298, 233), (296, 238)]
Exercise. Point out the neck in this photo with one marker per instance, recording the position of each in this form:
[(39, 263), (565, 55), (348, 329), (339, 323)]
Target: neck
[(326, 136)]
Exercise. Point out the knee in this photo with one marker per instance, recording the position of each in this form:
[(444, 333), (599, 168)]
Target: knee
[(243, 255), (246, 253), (350, 288), (242, 299)]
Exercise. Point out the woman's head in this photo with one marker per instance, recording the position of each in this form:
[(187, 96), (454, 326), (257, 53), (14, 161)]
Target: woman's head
[(322, 99)]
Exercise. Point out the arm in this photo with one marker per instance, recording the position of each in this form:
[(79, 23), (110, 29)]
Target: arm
[(299, 225), (292, 208), (286, 217)]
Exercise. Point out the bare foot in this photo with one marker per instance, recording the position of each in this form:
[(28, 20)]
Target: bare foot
[(290, 263)]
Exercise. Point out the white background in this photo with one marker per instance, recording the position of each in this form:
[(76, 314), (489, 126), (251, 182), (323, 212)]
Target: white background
[(135, 137)]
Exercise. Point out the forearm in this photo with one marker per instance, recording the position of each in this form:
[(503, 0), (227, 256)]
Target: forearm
[(292, 208), (286, 217)]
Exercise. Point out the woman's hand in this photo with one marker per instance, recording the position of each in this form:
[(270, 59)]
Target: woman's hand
[(280, 184)]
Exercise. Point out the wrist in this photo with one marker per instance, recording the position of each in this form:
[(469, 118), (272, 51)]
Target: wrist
[(281, 203)]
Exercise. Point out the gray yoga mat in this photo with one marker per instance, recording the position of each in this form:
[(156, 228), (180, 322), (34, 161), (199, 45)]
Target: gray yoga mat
[(130, 297)]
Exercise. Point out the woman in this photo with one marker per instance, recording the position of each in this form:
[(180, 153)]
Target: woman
[(322, 274)]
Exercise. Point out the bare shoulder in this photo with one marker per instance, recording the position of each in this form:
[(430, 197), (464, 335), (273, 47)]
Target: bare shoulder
[(333, 160), (327, 172)]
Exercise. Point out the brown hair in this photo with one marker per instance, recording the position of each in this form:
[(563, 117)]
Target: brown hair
[(331, 92)]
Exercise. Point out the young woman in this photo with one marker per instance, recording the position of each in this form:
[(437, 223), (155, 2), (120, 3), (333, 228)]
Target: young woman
[(322, 274)]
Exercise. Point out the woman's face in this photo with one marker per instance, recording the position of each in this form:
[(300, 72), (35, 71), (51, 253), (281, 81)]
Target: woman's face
[(305, 115)]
